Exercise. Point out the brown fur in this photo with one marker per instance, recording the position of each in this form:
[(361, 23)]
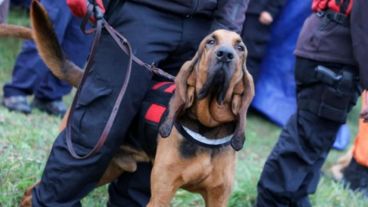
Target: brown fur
[(210, 174), (16, 31), (47, 44), (27, 197), (212, 177), (49, 48), (191, 80), (341, 164)]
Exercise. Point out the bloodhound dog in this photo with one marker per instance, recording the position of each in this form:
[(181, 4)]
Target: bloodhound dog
[(213, 93)]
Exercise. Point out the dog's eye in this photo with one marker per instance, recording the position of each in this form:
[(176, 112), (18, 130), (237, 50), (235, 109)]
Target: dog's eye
[(211, 42), (240, 48)]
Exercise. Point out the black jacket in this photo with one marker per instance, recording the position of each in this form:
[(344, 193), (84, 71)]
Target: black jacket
[(271, 6), (228, 14), (337, 43)]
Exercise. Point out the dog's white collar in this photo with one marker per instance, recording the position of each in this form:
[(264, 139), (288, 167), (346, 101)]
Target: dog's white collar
[(202, 139)]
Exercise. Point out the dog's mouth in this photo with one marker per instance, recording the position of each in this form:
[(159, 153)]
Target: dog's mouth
[(218, 82)]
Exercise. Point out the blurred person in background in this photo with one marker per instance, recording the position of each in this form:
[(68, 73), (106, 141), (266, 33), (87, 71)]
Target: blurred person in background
[(23, 4), (257, 30), (32, 77), (4, 9)]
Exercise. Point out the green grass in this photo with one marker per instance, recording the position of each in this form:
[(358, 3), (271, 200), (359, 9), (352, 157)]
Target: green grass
[(25, 142)]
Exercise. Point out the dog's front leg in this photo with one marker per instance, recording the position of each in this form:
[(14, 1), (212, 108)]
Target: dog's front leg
[(162, 193), (217, 197), (165, 175), (218, 186)]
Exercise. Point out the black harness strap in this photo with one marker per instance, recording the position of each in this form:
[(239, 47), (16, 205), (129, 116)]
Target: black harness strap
[(344, 6)]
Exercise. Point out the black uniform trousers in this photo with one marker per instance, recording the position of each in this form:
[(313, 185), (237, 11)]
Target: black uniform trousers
[(292, 170), (158, 37)]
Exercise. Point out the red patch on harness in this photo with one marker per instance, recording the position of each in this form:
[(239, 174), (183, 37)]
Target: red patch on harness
[(170, 89), (159, 84), (154, 113)]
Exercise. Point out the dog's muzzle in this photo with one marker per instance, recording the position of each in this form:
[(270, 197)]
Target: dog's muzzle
[(218, 79), (225, 55)]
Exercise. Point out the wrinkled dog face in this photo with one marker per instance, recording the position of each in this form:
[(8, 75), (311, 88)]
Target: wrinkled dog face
[(220, 64), (214, 86)]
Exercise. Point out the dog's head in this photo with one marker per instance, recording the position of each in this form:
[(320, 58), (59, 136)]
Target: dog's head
[(218, 77), (221, 62), (217, 67)]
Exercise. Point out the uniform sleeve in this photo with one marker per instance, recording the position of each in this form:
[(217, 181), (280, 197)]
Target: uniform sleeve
[(274, 7), (230, 14), (359, 34)]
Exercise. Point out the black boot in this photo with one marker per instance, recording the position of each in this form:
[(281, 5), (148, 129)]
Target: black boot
[(17, 103), (56, 108)]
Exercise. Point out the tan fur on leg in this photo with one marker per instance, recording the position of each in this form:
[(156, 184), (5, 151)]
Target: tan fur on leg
[(341, 164)]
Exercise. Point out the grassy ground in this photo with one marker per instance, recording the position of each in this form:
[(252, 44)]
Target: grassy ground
[(25, 142)]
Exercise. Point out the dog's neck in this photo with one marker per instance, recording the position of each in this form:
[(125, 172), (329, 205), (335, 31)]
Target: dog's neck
[(219, 132)]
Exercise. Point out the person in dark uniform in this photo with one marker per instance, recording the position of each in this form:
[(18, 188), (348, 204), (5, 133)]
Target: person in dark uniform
[(4, 10), (257, 30), (330, 61), (24, 4), (31, 75), (163, 32)]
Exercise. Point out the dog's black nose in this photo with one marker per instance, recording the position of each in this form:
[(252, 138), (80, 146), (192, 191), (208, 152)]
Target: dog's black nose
[(224, 54)]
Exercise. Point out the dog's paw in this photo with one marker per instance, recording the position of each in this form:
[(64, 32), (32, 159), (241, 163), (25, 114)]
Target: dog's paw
[(237, 142), (165, 129)]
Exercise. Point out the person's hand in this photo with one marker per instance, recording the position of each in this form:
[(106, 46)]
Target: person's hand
[(364, 113), (265, 18), (79, 7)]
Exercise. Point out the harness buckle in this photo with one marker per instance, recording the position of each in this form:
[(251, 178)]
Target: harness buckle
[(320, 14), (337, 17)]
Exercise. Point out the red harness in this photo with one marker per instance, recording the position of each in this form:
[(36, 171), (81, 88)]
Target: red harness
[(338, 6), (155, 111)]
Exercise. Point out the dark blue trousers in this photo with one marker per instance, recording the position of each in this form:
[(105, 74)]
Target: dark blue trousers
[(23, 3), (292, 170), (156, 37), (30, 74)]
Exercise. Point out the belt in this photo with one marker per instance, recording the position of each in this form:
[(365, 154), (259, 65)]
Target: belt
[(337, 17)]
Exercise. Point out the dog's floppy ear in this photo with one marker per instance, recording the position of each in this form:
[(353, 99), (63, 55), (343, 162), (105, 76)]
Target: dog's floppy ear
[(182, 97), (247, 86), (186, 76), (190, 90)]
